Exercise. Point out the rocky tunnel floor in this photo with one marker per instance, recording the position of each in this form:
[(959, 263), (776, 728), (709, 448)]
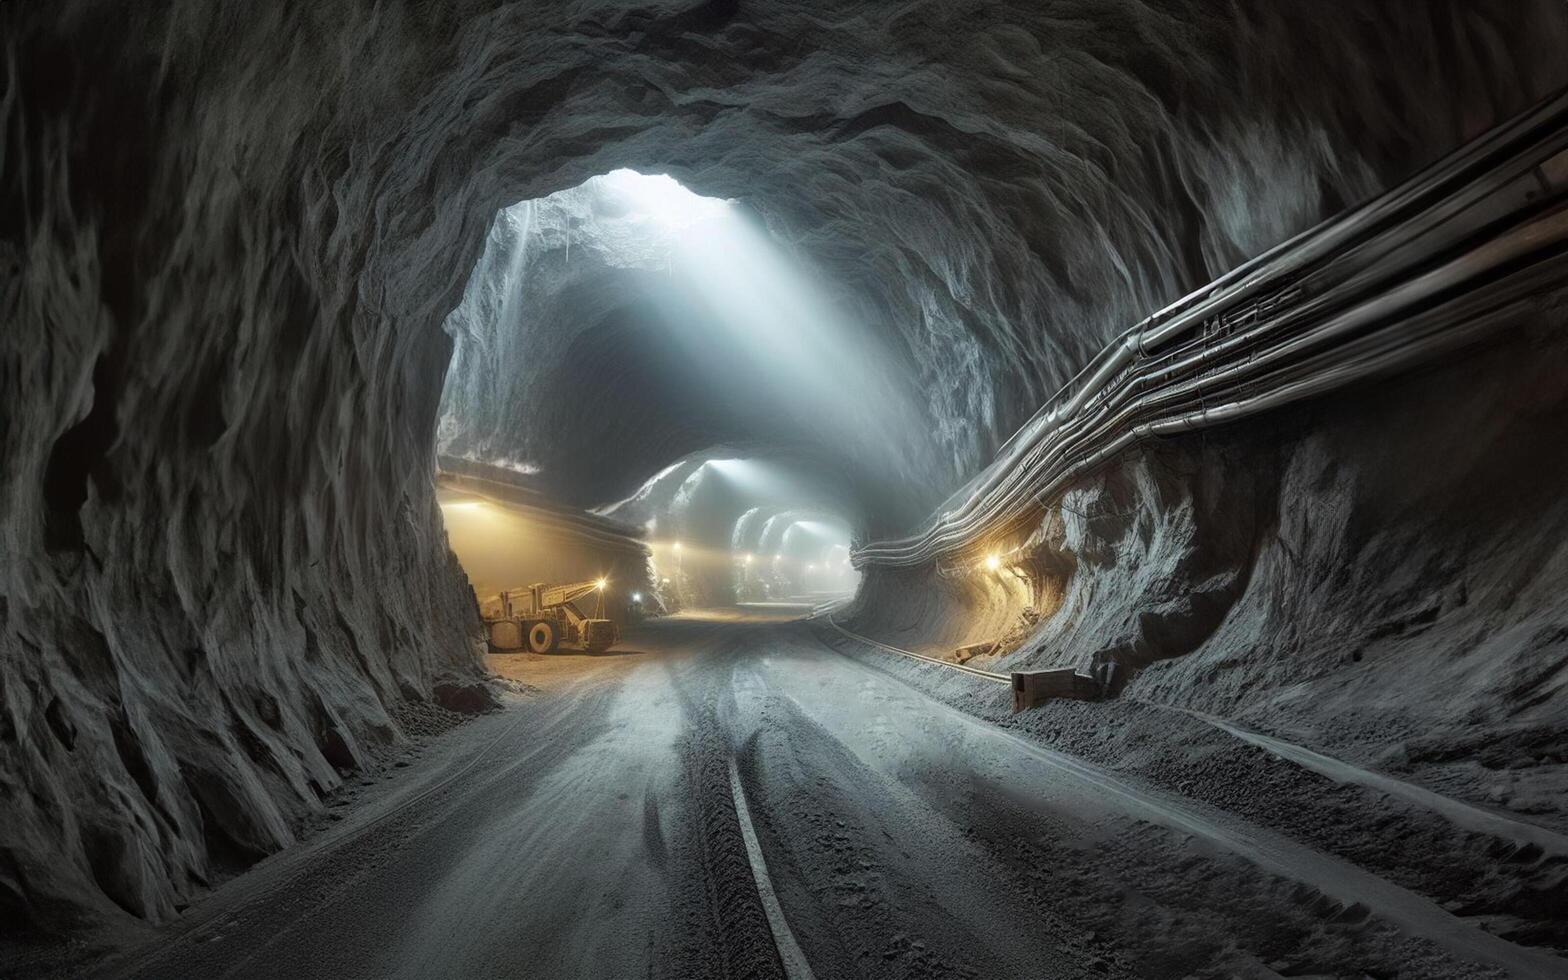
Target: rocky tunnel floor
[(591, 829)]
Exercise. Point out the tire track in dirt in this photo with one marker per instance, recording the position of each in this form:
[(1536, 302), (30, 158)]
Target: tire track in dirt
[(745, 938)]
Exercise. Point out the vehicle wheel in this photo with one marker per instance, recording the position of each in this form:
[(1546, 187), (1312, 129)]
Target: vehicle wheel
[(599, 635), (505, 635), (543, 638)]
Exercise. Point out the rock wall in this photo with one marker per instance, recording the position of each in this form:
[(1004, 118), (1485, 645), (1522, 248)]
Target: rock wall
[(1405, 579), (1378, 574), (222, 567)]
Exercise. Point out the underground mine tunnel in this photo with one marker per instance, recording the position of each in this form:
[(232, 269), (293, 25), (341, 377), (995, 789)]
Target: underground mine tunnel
[(747, 489)]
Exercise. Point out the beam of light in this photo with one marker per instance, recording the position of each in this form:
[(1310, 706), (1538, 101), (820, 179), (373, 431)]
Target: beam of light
[(760, 478), (805, 351), (823, 530), (797, 335), (688, 553), (657, 199), (814, 536), (782, 320)]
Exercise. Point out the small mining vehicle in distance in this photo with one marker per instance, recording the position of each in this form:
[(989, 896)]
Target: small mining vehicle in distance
[(542, 617)]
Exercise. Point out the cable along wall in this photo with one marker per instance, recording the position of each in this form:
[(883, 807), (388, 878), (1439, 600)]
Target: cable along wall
[(1429, 266)]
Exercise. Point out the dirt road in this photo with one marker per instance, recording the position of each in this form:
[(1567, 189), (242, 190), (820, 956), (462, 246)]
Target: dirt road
[(726, 788)]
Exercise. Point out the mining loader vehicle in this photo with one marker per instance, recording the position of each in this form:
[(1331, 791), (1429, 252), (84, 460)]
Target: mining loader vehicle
[(542, 617)]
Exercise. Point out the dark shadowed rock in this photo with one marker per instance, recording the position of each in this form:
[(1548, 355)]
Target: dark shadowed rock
[(469, 698)]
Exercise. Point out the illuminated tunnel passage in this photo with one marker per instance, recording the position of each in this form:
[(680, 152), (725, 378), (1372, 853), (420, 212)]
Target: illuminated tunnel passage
[(626, 326), (695, 488), (726, 530), (630, 347), (504, 546)]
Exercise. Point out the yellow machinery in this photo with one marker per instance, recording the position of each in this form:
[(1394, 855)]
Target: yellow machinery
[(542, 617)]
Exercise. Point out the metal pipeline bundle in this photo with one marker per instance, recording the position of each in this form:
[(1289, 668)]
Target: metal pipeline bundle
[(1425, 268)]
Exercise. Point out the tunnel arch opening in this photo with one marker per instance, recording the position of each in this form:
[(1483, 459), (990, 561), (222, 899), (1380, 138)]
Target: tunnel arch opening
[(800, 556), (629, 348)]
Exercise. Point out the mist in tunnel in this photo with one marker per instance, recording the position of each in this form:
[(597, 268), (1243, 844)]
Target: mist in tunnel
[(611, 329), (725, 529), (503, 548)]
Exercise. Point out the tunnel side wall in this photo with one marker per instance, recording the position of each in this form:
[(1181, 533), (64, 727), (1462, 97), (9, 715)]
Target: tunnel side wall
[(223, 575), (1383, 569)]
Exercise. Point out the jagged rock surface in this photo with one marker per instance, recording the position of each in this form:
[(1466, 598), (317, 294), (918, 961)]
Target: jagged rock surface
[(1379, 576), (230, 235)]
